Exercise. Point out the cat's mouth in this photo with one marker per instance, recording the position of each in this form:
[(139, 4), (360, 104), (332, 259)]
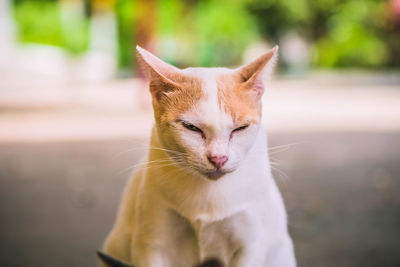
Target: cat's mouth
[(215, 174)]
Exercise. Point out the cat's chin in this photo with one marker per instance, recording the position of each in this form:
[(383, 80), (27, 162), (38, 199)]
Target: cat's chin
[(215, 174)]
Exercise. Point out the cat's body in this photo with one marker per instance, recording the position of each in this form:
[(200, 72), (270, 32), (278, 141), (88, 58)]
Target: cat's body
[(204, 191)]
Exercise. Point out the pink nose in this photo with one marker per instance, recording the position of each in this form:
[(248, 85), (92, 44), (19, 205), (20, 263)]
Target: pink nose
[(218, 161)]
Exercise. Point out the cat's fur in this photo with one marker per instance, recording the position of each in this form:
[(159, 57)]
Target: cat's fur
[(205, 189), (112, 262)]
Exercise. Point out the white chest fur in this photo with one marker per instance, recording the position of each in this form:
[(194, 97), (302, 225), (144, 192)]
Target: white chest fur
[(237, 219)]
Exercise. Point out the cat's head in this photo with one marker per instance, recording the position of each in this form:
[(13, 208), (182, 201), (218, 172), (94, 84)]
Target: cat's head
[(208, 118)]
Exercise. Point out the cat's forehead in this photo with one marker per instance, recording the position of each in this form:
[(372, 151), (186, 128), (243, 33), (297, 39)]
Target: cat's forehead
[(223, 102), (208, 111)]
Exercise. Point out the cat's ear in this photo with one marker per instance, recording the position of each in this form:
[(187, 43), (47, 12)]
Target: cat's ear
[(253, 74), (163, 76)]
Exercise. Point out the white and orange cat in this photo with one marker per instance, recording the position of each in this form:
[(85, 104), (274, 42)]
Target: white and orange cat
[(205, 190)]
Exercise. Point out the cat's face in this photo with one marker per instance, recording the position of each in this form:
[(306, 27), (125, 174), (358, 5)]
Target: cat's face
[(207, 118)]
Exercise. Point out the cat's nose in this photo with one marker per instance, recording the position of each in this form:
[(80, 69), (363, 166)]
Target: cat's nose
[(218, 161)]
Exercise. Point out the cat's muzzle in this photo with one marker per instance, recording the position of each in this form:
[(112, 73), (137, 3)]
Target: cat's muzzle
[(215, 174)]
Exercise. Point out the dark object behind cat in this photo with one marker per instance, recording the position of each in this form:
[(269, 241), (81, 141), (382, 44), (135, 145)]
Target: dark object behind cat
[(111, 262)]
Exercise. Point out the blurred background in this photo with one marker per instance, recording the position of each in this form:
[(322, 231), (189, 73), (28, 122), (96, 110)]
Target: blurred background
[(75, 116)]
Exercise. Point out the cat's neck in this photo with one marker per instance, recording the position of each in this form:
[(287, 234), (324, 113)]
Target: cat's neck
[(197, 197)]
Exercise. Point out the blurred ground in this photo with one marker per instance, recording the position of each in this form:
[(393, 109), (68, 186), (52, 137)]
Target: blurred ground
[(65, 153)]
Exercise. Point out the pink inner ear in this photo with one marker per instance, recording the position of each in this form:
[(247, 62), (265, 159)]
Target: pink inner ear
[(258, 86)]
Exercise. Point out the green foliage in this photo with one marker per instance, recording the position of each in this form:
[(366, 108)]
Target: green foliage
[(208, 33), (225, 28), (172, 27), (42, 22), (350, 40), (75, 33), (126, 17), (353, 37), (38, 22), (169, 16), (342, 33)]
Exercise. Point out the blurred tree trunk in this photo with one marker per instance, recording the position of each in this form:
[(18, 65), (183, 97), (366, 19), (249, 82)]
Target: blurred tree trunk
[(146, 25), (146, 28), (88, 8)]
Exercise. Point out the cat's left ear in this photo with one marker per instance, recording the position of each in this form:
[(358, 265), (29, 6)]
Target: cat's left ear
[(253, 74), (163, 76)]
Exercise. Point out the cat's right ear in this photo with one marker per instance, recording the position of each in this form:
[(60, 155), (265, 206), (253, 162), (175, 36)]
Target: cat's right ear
[(163, 76), (253, 74)]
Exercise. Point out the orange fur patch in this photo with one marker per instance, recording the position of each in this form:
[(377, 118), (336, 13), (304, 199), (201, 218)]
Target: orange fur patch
[(176, 100), (238, 99)]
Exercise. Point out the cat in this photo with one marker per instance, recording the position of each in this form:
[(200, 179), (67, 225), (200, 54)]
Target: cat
[(205, 189)]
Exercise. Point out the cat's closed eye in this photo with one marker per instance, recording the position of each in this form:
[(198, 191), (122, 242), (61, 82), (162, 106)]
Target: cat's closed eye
[(241, 128), (191, 127)]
